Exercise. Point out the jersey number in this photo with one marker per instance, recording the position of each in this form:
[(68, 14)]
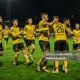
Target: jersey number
[(60, 29)]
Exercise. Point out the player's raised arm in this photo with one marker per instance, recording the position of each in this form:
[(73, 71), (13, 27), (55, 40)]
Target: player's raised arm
[(45, 18), (49, 23), (43, 41)]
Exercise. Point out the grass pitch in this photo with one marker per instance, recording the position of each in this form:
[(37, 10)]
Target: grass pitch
[(24, 72)]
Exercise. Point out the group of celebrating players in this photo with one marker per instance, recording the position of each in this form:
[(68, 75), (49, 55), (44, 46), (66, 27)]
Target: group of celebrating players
[(27, 37)]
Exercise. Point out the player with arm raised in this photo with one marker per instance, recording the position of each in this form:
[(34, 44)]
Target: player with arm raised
[(18, 43), (44, 41)]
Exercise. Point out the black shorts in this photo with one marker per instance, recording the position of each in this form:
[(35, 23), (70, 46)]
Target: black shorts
[(44, 45), (1, 47), (6, 39), (61, 45), (18, 47), (29, 42), (76, 46)]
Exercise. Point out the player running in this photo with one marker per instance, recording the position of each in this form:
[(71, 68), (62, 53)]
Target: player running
[(18, 43)]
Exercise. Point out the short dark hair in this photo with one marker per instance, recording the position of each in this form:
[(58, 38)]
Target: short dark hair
[(65, 19), (14, 20), (29, 18), (43, 14), (77, 23), (56, 17)]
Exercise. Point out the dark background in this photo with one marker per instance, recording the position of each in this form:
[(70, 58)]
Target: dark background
[(23, 9)]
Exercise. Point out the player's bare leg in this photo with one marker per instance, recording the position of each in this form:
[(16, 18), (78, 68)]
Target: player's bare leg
[(44, 61), (65, 64), (15, 58), (26, 56), (39, 63), (31, 57), (44, 68), (33, 48), (56, 66), (31, 51)]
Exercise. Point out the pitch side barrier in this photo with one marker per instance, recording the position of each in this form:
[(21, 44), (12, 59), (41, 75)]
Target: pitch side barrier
[(61, 56)]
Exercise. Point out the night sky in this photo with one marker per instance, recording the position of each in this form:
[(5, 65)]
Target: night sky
[(23, 9)]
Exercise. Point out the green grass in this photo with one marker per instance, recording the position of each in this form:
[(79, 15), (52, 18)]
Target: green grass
[(24, 72)]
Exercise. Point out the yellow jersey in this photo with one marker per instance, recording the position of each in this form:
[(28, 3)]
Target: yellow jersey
[(16, 37), (69, 30), (76, 34), (6, 33), (44, 35), (0, 33), (60, 31), (29, 32)]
